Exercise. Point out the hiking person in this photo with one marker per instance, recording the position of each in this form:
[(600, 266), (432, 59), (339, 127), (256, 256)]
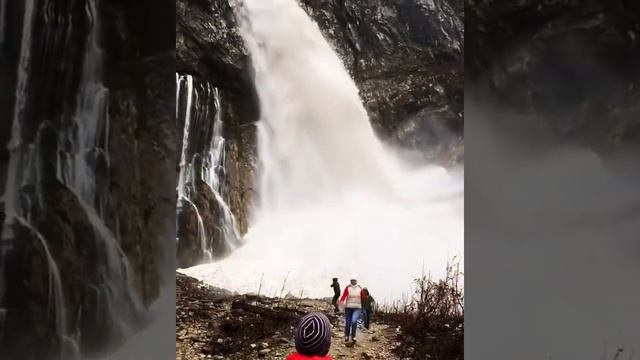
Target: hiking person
[(336, 294), (312, 338), (367, 307), (352, 300)]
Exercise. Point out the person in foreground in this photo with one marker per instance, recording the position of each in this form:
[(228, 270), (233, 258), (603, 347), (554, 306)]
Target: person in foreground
[(313, 338), (352, 300)]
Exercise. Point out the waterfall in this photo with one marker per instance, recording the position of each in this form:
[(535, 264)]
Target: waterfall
[(202, 235), (333, 199), (89, 163), (69, 348), (202, 159), (184, 165), (88, 133), (80, 162), (89, 130), (15, 146)]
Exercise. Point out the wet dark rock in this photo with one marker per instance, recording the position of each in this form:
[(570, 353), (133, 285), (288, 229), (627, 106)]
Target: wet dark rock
[(406, 58), (73, 245), (210, 105), (142, 108), (135, 183), (241, 159), (203, 113), (572, 63), (209, 47), (189, 247)]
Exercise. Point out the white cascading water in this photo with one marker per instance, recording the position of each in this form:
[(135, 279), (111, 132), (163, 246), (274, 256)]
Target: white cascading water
[(16, 149), (23, 168), (88, 134), (184, 162), (333, 200), (16, 158), (69, 349), (212, 166), (79, 172), (215, 171), (186, 168), (91, 121)]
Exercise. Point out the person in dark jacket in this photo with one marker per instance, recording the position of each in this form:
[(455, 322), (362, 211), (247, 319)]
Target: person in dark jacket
[(367, 307), (336, 293)]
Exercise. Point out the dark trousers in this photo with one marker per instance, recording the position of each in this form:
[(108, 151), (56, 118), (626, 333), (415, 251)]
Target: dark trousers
[(366, 317), (334, 302)]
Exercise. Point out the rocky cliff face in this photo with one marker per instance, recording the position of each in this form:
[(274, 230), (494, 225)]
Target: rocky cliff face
[(139, 52), (209, 47), (573, 63), (133, 166), (405, 56)]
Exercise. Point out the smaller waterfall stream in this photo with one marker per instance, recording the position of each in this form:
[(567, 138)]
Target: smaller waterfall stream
[(15, 146), (69, 348), (86, 165), (77, 155), (202, 161), (202, 235), (88, 130)]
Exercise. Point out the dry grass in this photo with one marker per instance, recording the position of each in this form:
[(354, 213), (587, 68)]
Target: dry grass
[(431, 320)]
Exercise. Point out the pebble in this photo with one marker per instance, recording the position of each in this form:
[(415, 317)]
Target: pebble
[(366, 356)]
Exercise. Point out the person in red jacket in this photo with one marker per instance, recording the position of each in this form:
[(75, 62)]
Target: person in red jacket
[(352, 298), (312, 338)]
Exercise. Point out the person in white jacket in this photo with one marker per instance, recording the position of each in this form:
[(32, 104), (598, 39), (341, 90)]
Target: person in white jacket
[(352, 300)]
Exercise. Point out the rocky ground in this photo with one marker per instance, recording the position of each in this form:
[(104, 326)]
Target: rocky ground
[(215, 324)]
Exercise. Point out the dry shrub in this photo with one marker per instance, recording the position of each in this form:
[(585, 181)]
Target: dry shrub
[(431, 321)]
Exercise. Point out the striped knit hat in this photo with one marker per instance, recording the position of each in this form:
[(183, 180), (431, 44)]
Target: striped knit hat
[(313, 335)]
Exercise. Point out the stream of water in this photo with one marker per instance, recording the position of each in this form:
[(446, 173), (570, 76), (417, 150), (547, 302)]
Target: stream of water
[(81, 163), (195, 102)]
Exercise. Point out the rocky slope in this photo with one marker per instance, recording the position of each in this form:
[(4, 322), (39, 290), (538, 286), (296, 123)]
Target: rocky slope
[(574, 64), (405, 56), (214, 324)]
